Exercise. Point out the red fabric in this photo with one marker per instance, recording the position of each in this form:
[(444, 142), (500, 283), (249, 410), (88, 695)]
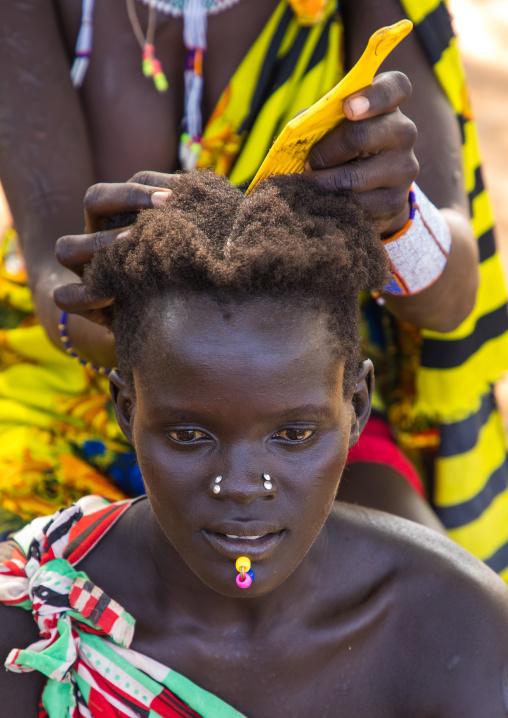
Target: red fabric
[(376, 445)]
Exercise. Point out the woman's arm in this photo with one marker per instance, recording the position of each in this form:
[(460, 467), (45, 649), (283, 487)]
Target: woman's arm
[(19, 693), (438, 148), (45, 157)]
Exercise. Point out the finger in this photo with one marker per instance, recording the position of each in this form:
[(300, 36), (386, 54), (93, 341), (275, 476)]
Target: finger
[(370, 174), (107, 199), (388, 91), (383, 204), (76, 299), (354, 140), (155, 179), (74, 251)]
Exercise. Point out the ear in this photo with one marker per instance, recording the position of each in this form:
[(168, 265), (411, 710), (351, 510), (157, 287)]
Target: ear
[(361, 401), (123, 403)]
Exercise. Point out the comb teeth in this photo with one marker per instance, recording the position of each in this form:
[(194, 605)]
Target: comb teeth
[(290, 150)]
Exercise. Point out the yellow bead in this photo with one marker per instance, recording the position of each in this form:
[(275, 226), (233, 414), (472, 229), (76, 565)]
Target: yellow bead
[(242, 562)]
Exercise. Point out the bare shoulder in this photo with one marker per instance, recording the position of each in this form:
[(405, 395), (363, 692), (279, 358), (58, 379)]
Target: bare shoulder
[(462, 634), (449, 615), (20, 692)]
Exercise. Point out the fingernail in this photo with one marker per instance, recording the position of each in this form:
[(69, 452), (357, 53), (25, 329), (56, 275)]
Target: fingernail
[(159, 197), (359, 105), (122, 235)]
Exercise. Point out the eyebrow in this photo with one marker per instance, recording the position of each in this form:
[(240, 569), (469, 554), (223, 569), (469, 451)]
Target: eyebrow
[(177, 415), (303, 412), (309, 411)]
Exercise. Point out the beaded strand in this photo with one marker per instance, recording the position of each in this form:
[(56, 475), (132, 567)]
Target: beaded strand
[(64, 338)]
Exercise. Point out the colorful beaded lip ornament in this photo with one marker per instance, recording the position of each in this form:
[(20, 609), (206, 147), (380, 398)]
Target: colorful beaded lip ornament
[(245, 573)]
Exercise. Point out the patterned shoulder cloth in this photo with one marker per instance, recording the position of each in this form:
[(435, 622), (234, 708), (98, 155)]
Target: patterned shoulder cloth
[(84, 649)]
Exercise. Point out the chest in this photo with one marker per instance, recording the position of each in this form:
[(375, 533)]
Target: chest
[(131, 125), (297, 670)]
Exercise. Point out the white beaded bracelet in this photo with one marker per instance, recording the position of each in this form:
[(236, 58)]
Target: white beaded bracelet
[(419, 251)]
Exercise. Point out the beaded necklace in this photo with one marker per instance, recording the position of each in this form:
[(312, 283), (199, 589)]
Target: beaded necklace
[(195, 15)]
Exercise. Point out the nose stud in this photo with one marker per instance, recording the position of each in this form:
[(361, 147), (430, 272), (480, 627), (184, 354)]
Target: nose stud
[(267, 483)]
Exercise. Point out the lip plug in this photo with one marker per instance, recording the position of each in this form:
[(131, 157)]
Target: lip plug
[(245, 573)]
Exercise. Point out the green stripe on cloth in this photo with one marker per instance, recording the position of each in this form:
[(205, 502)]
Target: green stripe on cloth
[(203, 702)]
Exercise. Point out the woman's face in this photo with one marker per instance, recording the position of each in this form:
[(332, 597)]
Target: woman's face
[(238, 392)]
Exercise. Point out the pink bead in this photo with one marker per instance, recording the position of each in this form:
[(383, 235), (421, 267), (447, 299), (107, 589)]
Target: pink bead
[(247, 580)]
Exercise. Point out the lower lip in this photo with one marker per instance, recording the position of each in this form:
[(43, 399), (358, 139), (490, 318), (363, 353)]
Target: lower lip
[(260, 548)]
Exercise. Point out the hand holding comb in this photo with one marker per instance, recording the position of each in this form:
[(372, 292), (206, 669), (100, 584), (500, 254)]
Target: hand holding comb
[(291, 148)]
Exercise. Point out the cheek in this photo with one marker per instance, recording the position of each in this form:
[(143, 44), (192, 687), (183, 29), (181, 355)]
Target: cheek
[(171, 479), (316, 478)]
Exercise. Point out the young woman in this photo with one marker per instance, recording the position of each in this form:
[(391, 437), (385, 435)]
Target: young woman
[(240, 386), (265, 61)]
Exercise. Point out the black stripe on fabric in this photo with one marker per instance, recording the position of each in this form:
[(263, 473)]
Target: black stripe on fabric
[(478, 188), (128, 702), (449, 354), (99, 608), (435, 32), (486, 245), (285, 65), (499, 560), (462, 436), (173, 701), (454, 517), (264, 83), (55, 534), (80, 538), (462, 127), (321, 48)]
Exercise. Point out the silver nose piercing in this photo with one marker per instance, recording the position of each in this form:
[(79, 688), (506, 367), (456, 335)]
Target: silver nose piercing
[(216, 488), (267, 482)]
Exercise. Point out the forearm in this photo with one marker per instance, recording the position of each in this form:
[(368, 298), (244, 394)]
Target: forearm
[(91, 341), (447, 302), (45, 157)]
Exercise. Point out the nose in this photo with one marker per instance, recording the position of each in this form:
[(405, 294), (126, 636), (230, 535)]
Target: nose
[(244, 478)]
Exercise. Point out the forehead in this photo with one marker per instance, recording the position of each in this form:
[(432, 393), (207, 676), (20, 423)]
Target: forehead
[(263, 345)]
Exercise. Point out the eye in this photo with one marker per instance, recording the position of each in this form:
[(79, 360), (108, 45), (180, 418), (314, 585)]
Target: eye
[(294, 434), (188, 436)]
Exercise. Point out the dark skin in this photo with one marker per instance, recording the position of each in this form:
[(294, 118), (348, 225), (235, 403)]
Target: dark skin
[(352, 611), (71, 140), (100, 131)]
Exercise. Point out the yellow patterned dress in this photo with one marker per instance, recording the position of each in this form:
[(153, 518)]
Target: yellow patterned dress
[(58, 435)]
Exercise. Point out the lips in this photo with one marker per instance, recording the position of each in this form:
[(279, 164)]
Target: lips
[(254, 545)]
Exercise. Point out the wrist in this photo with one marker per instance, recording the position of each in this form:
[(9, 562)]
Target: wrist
[(419, 251), (397, 223)]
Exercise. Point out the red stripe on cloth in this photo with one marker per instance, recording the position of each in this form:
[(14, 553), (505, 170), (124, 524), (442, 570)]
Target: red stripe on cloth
[(88, 607), (107, 620), (169, 706), (100, 707), (376, 445), (106, 688), (14, 569), (90, 529), (42, 711)]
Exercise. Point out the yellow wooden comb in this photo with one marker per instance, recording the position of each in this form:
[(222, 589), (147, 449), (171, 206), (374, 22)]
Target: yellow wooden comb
[(291, 148)]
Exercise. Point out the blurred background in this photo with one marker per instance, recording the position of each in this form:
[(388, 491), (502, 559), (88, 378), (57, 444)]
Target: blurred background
[(482, 27)]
